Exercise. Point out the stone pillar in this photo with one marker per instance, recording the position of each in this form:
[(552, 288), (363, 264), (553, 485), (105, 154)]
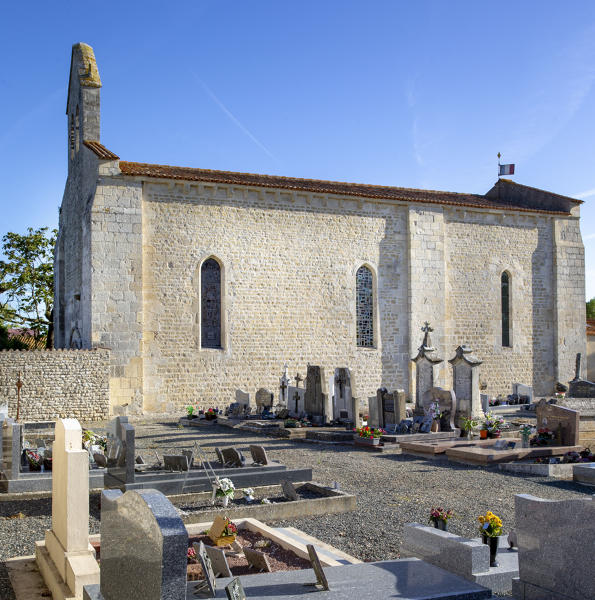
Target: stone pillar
[(66, 560), (400, 405), (465, 379)]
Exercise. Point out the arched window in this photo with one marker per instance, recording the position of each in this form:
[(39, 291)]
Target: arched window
[(210, 304), (505, 297), (364, 307)]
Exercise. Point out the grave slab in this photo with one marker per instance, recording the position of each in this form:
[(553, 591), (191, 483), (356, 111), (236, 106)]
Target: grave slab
[(406, 579), (584, 474), (469, 558), (492, 456)]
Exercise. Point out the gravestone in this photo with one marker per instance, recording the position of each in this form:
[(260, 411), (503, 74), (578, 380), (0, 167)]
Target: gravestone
[(316, 398), (447, 404), (257, 559), (259, 455), (465, 376), (555, 548), (66, 558), (579, 387), (564, 422), (522, 390), (321, 580), (284, 388), (143, 547), (264, 399), (485, 402), (289, 490), (297, 398), (234, 590), (427, 369), (386, 405), (208, 586), (342, 397), (11, 448), (120, 453), (218, 561), (373, 412), (242, 397), (175, 462), (3, 412), (233, 457)]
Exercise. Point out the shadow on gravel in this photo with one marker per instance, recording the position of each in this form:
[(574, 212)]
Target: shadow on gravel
[(39, 507), (6, 591)]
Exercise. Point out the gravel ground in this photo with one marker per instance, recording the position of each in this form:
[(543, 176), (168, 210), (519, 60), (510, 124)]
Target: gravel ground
[(391, 490)]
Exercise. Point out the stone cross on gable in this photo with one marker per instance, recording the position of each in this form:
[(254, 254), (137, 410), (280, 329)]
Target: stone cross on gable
[(427, 343), (298, 378)]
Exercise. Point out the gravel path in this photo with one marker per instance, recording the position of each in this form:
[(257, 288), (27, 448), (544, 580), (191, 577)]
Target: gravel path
[(391, 489)]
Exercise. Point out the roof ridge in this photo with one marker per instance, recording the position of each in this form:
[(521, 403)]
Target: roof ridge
[(530, 187), (305, 179)]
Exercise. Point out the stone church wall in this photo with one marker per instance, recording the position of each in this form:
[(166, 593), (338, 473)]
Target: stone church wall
[(289, 263), (479, 247), (56, 383)]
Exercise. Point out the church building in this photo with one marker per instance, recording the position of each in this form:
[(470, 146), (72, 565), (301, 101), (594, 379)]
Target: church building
[(201, 282)]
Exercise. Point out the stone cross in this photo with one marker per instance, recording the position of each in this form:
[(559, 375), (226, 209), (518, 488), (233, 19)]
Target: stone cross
[(577, 373), (298, 379), (427, 343)]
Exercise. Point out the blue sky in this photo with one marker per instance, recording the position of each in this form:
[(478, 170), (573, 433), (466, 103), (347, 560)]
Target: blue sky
[(414, 94)]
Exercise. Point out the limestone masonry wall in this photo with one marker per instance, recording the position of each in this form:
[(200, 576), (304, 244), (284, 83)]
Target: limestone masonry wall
[(289, 265), (56, 383)]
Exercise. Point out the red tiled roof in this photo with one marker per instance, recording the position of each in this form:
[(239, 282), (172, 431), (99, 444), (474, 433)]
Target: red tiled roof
[(590, 326), (322, 187), (100, 150)]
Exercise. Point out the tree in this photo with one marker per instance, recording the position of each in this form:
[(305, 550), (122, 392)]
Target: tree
[(27, 280), (591, 309)]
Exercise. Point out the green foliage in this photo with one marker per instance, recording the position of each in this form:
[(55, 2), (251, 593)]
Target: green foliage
[(591, 309), (27, 279)]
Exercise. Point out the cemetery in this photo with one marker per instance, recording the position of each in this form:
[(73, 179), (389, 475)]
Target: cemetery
[(220, 514)]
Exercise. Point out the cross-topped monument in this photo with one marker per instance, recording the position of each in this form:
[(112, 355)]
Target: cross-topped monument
[(427, 343)]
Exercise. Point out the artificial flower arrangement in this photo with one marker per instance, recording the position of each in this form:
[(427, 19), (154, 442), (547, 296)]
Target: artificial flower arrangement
[(433, 411), (583, 456), (292, 423), (490, 524), (438, 514), (225, 487), (191, 556), (544, 437), (526, 430), (230, 528), (90, 438), (210, 414), (190, 412), (34, 459), (248, 494), (369, 432), (492, 424), (469, 423)]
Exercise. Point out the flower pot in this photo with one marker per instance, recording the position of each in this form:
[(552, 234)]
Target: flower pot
[(493, 544), (362, 441), (470, 435), (435, 426), (210, 417), (440, 524), (484, 538), (483, 434), (493, 434)]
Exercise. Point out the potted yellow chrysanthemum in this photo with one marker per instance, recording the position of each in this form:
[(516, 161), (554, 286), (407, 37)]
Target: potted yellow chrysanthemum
[(491, 530)]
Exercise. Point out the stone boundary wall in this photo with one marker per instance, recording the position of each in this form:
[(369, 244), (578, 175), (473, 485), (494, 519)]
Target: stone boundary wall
[(56, 383)]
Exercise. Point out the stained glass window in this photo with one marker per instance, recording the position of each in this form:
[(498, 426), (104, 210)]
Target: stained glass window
[(505, 294), (364, 308), (210, 300)]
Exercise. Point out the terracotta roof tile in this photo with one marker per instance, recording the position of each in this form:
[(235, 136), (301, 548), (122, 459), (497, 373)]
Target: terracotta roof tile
[(100, 150), (321, 186)]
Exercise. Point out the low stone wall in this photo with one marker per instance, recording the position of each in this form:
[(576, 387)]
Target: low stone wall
[(56, 383)]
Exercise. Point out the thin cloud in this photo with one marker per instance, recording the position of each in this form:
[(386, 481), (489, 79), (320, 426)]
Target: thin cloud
[(585, 194), (234, 119)]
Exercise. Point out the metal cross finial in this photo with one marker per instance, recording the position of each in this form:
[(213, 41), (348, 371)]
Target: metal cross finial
[(426, 328)]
